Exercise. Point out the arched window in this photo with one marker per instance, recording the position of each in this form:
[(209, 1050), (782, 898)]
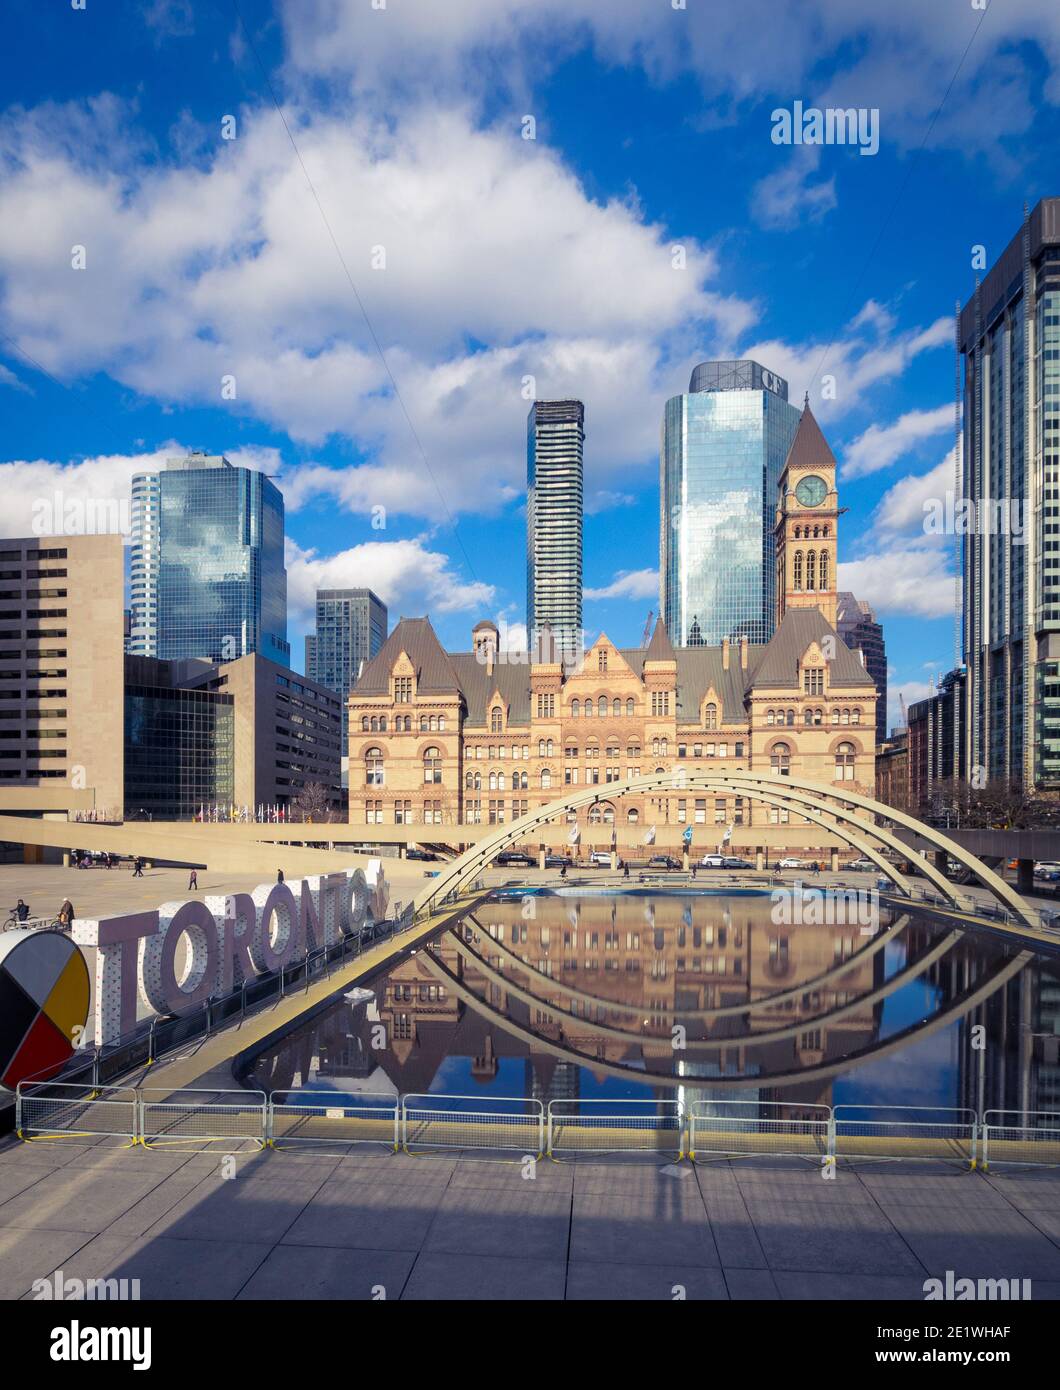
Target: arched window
[(496, 720), (855, 716), (807, 717), (710, 717), (602, 706), (364, 724), (541, 748), (835, 716), (780, 759), (432, 765), (546, 778), (822, 572), (844, 762), (575, 709), (478, 781), (373, 767), (790, 717), (770, 716), (633, 815), (423, 723), (616, 708), (811, 570), (441, 723), (797, 570)]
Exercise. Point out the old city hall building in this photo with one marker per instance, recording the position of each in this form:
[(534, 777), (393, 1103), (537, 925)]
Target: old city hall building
[(484, 736)]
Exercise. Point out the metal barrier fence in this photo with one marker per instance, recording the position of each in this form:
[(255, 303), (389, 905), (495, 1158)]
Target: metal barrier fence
[(904, 1131), (1021, 1136), (76, 1108), (616, 1126), (744, 1127), (191, 1114), (313, 1118), (473, 1122), (157, 1117)]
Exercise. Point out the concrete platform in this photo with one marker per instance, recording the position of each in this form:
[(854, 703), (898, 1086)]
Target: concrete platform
[(317, 1224)]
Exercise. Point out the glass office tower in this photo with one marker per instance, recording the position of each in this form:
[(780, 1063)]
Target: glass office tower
[(208, 551), (351, 627), (1010, 341), (722, 451), (555, 434)]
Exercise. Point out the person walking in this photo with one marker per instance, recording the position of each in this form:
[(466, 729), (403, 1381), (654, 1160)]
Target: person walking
[(193, 879), (66, 915), (138, 867), (279, 875)]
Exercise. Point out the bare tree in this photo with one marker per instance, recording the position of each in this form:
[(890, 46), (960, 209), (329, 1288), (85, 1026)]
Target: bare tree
[(313, 803)]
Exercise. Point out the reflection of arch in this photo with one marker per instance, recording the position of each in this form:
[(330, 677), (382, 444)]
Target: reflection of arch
[(960, 1008), (819, 803)]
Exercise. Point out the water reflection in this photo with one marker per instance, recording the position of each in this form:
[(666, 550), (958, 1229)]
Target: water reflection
[(559, 997)]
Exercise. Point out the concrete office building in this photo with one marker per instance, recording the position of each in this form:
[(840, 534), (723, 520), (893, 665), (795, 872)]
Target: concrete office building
[(61, 639), (555, 435), (722, 449), (859, 629), (1009, 338), (208, 577)]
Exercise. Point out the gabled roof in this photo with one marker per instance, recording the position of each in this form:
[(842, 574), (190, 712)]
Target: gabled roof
[(798, 629), (416, 637), (660, 648), (809, 449)]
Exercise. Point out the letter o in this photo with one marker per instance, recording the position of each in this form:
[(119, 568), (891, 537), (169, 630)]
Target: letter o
[(158, 973)]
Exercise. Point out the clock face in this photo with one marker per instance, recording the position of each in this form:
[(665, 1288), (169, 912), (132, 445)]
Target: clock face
[(811, 490)]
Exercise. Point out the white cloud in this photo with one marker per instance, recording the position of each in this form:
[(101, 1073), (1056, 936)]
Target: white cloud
[(881, 445), (405, 574), (628, 584), (906, 580), (788, 196), (44, 497), (901, 508)]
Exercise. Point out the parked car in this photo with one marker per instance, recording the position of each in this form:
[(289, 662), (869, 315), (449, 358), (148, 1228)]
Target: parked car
[(600, 858), (1047, 868), (663, 861), (555, 861), (861, 865), (425, 854), (790, 864), (733, 862), (712, 861), (514, 856)]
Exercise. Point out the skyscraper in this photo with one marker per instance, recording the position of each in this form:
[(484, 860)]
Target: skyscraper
[(1009, 337), (351, 626), (555, 434), (722, 449), (208, 576), (861, 632)]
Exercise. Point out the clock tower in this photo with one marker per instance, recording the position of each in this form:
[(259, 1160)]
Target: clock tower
[(807, 515)]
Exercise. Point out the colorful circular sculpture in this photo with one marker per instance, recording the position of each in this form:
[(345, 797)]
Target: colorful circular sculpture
[(44, 997)]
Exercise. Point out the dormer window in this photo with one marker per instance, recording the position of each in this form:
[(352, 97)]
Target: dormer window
[(402, 690), (496, 720)]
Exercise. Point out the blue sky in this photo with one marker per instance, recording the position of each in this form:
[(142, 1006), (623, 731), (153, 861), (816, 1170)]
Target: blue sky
[(388, 399)]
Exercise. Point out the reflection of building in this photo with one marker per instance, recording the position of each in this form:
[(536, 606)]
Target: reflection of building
[(442, 737), (208, 576), (861, 632), (1010, 342), (723, 447), (555, 433)]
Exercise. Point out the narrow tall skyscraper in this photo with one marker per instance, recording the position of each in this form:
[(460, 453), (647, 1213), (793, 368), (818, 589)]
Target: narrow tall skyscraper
[(208, 575), (1010, 341), (351, 626), (555, 434), (722, 449)]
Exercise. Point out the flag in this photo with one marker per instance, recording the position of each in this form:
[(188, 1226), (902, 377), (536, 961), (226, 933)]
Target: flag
[(574, 834), (649, 839), (687, 836), (614, 837), (728, 834)]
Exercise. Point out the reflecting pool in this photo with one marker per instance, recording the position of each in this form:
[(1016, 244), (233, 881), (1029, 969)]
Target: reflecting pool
[(595, 995)]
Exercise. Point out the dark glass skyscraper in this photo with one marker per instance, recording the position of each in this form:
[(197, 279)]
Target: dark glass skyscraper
[(1010, 341), (351, 626), (722, 450), (209, 542)]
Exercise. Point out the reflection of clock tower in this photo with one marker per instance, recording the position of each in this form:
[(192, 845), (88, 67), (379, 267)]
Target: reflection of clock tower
[(805, 533)]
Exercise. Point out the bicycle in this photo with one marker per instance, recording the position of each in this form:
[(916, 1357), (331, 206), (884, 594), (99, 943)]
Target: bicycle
[(15, 921)]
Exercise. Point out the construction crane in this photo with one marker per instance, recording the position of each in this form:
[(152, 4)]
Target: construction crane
[(646, 634)]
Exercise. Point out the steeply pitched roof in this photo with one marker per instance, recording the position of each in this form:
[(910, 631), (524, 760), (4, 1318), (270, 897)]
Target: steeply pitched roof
[(798, 629), (660, 648), (809, 449), (416, 637)]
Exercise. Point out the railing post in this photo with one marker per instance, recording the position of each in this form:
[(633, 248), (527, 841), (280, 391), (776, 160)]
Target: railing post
[(830, 1150), (243, 1001), (151, 1041), (306, 970)]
